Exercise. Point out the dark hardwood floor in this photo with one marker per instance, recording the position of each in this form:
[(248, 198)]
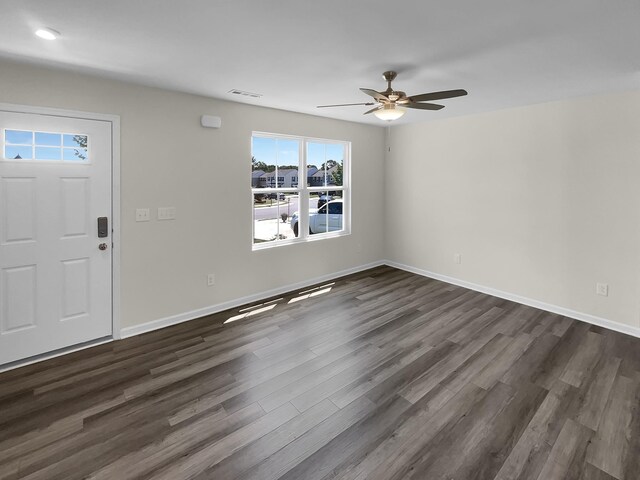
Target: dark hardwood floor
[(379, 375)]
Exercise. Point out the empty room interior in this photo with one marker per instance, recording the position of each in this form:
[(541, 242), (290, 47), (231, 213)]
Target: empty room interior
[(303, 240)]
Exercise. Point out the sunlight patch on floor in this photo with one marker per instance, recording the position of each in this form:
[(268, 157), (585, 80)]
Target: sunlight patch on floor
[(314, 292), (254, 310)]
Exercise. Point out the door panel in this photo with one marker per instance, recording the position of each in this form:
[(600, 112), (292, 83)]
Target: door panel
[(18, 209), (75, 288), (18, 298), (55, 284), (75, 206)]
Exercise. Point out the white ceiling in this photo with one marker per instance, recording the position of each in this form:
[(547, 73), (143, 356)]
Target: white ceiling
[(303, 53)]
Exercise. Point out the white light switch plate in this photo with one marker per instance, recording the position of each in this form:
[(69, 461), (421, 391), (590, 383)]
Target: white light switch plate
[(143, 215), (166, 213)]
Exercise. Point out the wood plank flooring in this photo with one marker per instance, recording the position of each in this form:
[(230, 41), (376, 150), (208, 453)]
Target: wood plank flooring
[(379, 375)]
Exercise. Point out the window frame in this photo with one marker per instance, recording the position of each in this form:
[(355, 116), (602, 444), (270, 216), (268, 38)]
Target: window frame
[(304, 190)]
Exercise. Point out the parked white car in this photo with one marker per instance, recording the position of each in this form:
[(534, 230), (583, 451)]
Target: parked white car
[(327, 218)]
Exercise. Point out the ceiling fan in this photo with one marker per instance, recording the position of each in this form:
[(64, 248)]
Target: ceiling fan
[(390, 104)]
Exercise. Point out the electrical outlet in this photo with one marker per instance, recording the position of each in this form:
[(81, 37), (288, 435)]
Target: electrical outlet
[(457, 258), (211, 279), (602, 289), (143, 215)]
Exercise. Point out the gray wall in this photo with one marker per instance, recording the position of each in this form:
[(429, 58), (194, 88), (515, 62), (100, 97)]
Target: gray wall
[(540, 201), (168, 159)]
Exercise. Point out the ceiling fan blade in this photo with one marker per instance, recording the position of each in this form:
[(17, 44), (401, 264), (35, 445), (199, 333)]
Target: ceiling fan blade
[(424, 106), (371, 111), (345, 104), (377, 95), (427, 97)]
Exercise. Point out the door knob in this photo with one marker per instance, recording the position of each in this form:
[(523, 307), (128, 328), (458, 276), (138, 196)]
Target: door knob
[(102, 246)]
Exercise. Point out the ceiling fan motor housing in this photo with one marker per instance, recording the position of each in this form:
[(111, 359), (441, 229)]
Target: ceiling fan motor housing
[(389, 76)]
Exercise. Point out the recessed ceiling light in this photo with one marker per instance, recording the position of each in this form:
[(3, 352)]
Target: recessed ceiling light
[(47, 33)]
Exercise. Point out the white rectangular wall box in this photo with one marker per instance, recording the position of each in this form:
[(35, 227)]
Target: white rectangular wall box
[(210, 121), (143, 215), (166, 213)]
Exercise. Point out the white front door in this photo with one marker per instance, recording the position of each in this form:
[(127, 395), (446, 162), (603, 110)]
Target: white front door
[(55, 276)]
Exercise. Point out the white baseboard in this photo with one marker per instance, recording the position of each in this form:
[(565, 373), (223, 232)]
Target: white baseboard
[(201, 312), (184, 317), (583, 317)]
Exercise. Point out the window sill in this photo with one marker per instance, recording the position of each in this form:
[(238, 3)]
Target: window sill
[(293, 241)]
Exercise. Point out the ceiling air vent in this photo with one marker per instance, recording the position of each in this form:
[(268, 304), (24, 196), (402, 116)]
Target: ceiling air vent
[(245, 94)]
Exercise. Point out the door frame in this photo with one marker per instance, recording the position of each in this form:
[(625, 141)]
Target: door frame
[(114, 120)]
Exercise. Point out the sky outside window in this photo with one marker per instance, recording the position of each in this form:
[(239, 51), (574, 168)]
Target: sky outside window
[(285, 152)]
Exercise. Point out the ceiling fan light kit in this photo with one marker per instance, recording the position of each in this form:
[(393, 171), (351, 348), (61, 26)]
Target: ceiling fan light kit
[(389, 112), (47, 33), (392, 104)]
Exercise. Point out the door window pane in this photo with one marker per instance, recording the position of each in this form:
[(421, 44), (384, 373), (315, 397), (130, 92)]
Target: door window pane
[(74, 154), (77, 141), (48, 139), (20, 137), (48, 153), (17, 152)]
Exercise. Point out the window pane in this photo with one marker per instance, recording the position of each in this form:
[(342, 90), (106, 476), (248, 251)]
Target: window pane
[(272, 216), (288, 161), (256, 179), (19, 136), (48, 139), (325, 175), (263, 161), (335, 208), (325, 162), (48, 153), (318, 199), (77, 141), (315, 159), (17, 152), (74, 154), (268, 180), (328, 217), (334, 163)]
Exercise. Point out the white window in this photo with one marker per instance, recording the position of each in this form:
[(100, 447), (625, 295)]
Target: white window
[(293, 209)]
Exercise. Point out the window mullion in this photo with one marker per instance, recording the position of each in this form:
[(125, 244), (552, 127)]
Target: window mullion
[(303, 228)]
